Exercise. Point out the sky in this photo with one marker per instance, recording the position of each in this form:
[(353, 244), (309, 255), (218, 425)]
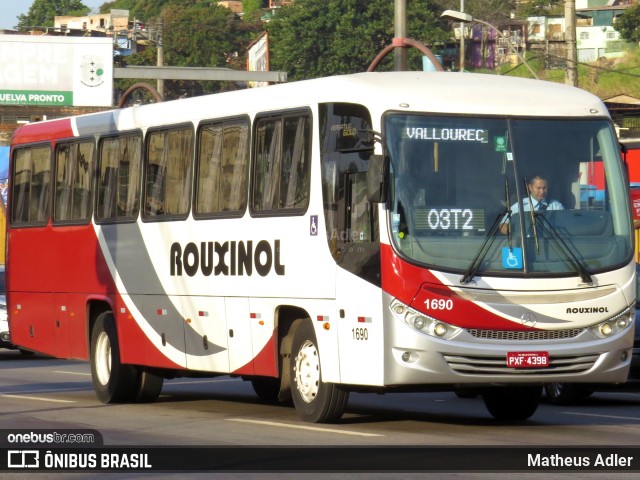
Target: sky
[(10, 9)]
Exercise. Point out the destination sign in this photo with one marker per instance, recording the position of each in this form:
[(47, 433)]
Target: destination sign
[(448, 134), (437, 218)]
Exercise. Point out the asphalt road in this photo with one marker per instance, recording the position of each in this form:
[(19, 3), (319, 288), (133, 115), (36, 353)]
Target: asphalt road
[(44, 394)]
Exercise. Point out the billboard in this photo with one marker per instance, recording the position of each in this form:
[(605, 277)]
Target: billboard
[(258, 58), (56, 71)]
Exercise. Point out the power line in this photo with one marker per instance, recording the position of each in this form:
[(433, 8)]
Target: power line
[(598, 67)]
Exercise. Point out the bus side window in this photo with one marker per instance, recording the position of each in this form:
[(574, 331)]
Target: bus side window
[(168, 172), (119, 177), (281, 164), (31, 185), (221, 168), (74, 172)]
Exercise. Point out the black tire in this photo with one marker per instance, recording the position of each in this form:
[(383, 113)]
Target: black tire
[(267, 388), (565, 393), (113, 381), (314, 400), (512, 403), (148, 387), (466, 393)]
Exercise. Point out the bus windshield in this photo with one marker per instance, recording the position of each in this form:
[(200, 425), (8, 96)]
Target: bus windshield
[(496, 196)]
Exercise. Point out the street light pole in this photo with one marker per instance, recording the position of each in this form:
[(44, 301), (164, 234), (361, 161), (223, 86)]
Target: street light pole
[(466, 18), (401, 56), (571, 72), (400, 43), (462, 53)]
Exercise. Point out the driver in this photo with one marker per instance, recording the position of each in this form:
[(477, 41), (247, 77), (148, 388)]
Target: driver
[(538, 188)]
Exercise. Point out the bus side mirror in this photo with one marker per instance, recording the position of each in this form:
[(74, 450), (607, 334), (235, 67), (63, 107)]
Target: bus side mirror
[(376, 179)]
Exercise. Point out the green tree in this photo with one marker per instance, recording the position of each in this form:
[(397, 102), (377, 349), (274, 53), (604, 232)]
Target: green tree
[(315, 39), (534, 8), (42, 12), (249, 7), (199, 34), (628, 24), (147, 9)]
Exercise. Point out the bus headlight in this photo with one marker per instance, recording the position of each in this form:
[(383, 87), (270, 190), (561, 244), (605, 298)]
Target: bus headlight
[(614, 325), (421, 322)]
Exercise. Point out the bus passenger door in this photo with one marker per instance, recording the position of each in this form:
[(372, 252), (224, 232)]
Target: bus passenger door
[(206, 334), (239, 332)]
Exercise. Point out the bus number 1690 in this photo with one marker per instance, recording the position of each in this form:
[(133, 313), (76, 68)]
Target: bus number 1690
[(439, 304), (360, 333)]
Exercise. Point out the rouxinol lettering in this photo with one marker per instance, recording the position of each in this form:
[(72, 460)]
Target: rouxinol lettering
[(228, 258), (588, 310)]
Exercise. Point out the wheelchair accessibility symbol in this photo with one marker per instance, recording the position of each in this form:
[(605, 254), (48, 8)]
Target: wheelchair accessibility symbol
[(511, 258)]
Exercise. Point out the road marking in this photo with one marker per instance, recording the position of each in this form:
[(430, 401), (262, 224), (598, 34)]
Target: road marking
[(72, 373), (25, 397), (305, 427), (601, 416)]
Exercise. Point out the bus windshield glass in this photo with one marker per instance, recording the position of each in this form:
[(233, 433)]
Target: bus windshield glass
[(496, 196)]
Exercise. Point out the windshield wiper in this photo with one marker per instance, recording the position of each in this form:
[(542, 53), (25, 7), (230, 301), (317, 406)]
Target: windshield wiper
[(488, 240), (508, 214), (532, 216), (569, 254)]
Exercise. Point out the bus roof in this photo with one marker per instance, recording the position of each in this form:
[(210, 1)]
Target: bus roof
[(436, 92)]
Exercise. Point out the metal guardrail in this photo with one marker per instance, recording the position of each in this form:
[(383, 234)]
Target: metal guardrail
[(197, 73)]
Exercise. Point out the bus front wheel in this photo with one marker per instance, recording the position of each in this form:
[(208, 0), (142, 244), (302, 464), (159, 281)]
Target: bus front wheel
[(266, 388), (565, 393), (513, 403), (314, 400), (112, 381)]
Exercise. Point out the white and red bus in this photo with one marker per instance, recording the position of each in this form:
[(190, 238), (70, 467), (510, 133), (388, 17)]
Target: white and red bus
[(328, 236)]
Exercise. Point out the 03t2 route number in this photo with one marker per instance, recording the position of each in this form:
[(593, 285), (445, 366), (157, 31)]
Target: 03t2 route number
[(450, 218), (438, 304)]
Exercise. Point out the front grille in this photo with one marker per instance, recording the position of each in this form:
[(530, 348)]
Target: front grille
[(497, 365), (525, 335)]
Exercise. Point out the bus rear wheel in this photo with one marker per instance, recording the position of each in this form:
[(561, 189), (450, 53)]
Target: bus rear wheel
[(148, 387), (314, 400), (513, 403), (113, 381)]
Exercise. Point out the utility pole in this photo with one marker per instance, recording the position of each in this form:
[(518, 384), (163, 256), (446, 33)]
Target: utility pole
[(462, 53), (571, 73), (160, 55), (401, 57)]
